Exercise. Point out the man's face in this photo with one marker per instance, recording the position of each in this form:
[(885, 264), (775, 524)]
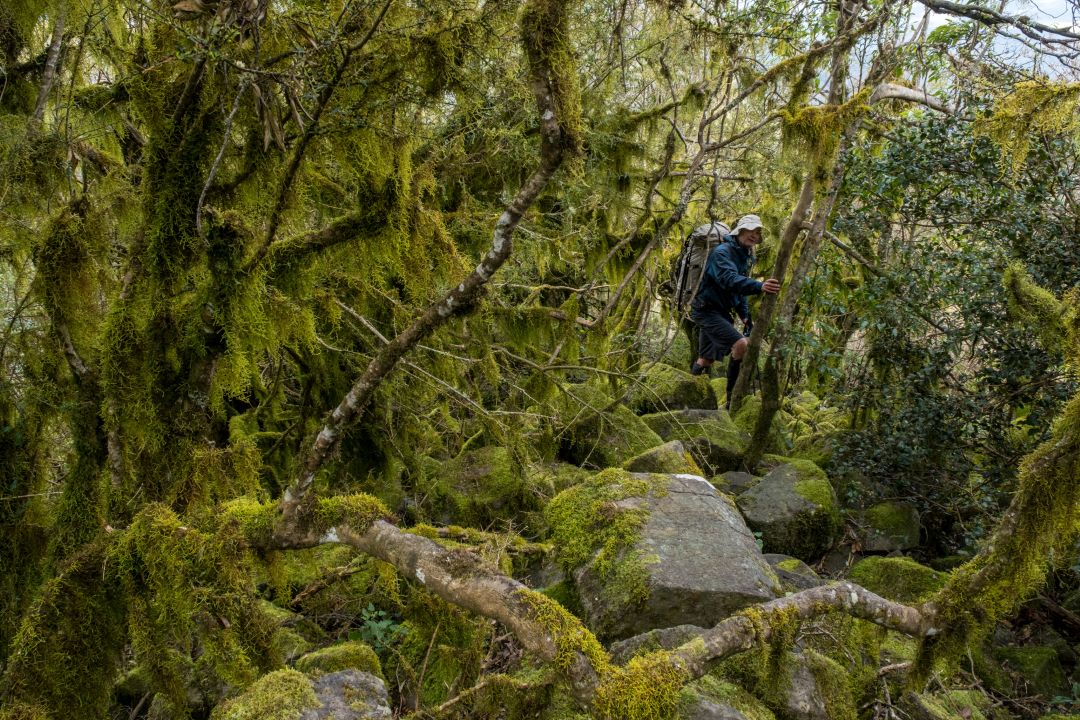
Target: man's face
[(749, 238)]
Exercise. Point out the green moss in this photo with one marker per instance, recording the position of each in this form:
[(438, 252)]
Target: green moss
[(78, 614), (482, 488), (897, 578), (834, 686), (343, 656), (357, 512), (545, 34), (589, 436), (955, 705), (566, 631), (589, 527), (255, 519), (1039, 668), (646, 688), (1031, 106), (794, 565), (280, 695), (667, 458), (721, 691)]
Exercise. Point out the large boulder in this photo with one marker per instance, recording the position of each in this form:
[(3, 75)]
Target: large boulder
[(890, 527), (662, 387), (714, 441), (795, 509), (654, 551)]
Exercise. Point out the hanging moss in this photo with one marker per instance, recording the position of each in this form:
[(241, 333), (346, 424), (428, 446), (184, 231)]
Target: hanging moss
[(1031, 106), (816, 129)]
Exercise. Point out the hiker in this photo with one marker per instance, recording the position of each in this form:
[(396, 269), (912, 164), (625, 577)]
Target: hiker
[(722, 298), (686, 275)]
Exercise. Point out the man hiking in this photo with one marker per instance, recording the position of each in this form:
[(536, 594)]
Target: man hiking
[(722, 298)]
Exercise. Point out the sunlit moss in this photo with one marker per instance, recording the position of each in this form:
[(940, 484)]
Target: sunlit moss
[(1031, 106)]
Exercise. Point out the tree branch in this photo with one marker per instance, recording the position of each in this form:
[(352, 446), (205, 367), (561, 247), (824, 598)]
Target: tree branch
[(891, 91)]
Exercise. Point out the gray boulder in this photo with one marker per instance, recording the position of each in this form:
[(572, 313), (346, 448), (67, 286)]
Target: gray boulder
[(660, 639), (795, 509), (700, 563), (349, 695), (794, 574)]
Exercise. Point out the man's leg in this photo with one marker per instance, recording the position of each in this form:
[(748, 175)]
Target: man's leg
[(738, 351)]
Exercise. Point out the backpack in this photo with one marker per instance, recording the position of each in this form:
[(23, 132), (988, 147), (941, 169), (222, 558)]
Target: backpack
[(689, 266)]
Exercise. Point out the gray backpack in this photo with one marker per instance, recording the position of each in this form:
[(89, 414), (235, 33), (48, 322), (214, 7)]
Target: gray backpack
[(689, 266)]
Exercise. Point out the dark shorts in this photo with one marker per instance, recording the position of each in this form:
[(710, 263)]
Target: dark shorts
[(717, 333)]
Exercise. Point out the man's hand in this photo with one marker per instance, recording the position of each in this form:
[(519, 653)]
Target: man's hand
[(771, 286)]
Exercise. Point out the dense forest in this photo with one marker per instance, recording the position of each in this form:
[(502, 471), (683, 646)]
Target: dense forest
[(340, 373)]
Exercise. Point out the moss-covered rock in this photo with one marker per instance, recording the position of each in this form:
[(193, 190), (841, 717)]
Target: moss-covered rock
[(650, 551), (795, 510), (897, 578), (662, 387), (890, 526), (554, 477), (671, 457), (1038, 668), (746, 418), (711, 698), (342, 656), (589, 435), (280, 695), (480, 488), (948, 705), (714, 441)]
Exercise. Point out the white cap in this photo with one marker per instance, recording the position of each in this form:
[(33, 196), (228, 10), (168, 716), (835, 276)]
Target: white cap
[(747, 222)]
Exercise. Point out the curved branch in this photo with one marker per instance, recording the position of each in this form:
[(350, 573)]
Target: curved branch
[(891, 91)]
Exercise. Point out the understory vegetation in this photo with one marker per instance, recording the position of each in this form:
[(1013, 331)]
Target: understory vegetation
[(338, 351)]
